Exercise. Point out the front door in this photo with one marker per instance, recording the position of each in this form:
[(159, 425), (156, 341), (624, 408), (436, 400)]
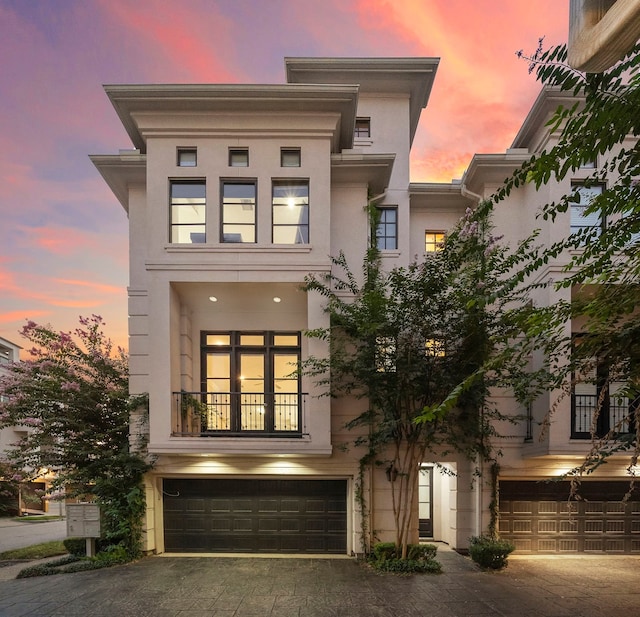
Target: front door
[(425, 502)]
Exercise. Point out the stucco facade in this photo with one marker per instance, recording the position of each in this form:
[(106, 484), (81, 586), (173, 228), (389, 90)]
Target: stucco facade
[(216, 265)]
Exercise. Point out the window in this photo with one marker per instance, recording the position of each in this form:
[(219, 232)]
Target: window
[(250, 382), (363, 128), (387, 230), (290, 211), (433, 241), (290, 157), (238, 212), (188, 206), (187, 157), (598, 401), (434, 348), (581, 222), (238, 157)]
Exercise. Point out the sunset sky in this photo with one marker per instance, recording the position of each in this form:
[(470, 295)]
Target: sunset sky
[(63, 235)]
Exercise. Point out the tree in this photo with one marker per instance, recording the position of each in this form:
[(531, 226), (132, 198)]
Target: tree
[(71, 397), (604, 262), (422, 345)]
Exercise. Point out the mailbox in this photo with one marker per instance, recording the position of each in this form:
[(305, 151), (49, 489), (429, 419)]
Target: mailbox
[(83, 520)]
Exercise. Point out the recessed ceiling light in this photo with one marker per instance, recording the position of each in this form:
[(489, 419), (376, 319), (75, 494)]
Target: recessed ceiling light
[(276, 299), (213, 298)]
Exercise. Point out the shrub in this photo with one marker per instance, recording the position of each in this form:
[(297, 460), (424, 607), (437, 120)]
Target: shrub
[(385, 557), (489, 552), (75, 546)]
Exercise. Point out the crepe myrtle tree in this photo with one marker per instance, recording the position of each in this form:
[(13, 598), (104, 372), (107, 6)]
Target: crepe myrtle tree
[(600, 131), (70, 397), (422, 345)]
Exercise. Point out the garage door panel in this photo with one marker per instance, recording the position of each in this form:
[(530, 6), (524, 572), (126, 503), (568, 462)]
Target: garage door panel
[(546, 522), (293, 516)]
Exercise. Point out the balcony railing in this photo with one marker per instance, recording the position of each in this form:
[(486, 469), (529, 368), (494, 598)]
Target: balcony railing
[(614, 415), (238, 414)]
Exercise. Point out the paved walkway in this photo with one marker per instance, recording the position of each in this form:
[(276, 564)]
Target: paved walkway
[(585, 586)]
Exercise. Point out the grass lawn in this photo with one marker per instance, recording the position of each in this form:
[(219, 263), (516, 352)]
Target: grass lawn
[(37, 551), (36, 518)]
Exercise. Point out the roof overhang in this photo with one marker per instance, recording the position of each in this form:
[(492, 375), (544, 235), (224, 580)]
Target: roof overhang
[(122, 171), (171, 99), (492, 169), (373, 170), (411, 76), (448, 195)]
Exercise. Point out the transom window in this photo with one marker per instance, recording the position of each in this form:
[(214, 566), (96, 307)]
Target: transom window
[(290, 157), (188, 211), (363, 128), (387, 229), (290, 211), (433, 241), (238, 157), (187, 157), (250, 382), (238, 218)]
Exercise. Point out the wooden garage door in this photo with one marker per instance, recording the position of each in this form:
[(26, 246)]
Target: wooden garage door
[(537, 517), (270, 516)]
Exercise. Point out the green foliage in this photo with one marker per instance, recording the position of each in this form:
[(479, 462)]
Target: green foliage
[(76, 563), (601, 267), (386, 557), (72, 397), (422, 344), (75, 546), (490, 552)]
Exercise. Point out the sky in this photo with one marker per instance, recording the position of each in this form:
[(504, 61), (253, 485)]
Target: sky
[(63, 235)]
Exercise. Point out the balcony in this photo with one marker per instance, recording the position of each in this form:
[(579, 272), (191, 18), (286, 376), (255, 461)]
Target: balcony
[(612, 414), (238, 414)]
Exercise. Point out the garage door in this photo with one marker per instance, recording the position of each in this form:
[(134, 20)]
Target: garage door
[(537, 517), (270, 516)]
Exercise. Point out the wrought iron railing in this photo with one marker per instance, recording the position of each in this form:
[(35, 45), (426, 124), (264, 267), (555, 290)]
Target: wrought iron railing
[(614, 414), (238, 413)]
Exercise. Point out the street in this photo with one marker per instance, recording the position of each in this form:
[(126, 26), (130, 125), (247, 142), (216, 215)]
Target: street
[(16, 534)]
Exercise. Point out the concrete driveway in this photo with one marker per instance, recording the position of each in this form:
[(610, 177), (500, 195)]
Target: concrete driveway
[(585, 586)]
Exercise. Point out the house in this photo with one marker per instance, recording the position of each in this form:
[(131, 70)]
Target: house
[(234, 194)]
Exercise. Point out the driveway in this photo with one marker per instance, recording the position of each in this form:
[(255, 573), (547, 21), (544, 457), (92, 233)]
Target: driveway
[(585, 586)]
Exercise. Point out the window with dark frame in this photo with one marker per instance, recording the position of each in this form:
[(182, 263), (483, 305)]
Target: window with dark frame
[(238, 157), (387, 229), (188, 211), (290, 157), (187, 157), (250, 382), (290, 211), (433, 241), (362, 128), (238, 211)]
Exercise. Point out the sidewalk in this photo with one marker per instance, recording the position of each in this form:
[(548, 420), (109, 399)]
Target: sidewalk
[(160, 586)]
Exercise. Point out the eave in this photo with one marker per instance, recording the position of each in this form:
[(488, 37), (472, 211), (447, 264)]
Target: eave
[(122, 171), (371, 169)]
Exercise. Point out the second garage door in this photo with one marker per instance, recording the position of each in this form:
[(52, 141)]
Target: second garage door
[(270, 516)]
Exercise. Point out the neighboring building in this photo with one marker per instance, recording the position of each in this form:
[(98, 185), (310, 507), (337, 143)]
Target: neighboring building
[(234, 193), (9, 352)]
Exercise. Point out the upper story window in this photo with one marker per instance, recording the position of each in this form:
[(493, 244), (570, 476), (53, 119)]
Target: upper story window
[(433, 241), (290, 157), (290, 211), (363, 128), (238, 219), (188, 211), (387, 229), (187, 157), (580, 220), (238, 157)]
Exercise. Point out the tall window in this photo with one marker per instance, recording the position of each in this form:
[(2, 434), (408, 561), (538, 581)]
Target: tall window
[(238, 219), (433, 241), (290, 211), (580, 220), (387, 230), (250, 382), (188, 211), (363, 128)]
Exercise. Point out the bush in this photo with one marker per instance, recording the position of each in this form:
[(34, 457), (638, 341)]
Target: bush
[(385, 557), (489, 552), (75, 546)]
